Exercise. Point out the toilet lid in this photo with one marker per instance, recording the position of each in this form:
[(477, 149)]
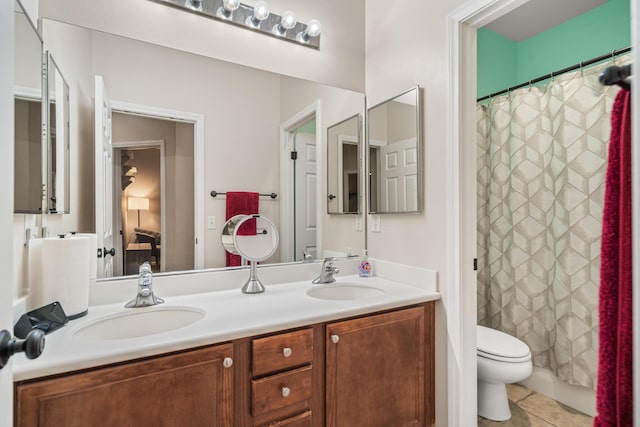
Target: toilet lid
[(491, 342)]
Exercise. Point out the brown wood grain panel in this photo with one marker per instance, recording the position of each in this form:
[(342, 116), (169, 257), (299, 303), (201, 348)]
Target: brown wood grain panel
[(266, 393), (376, 371), (268, 352), (191, 388), (302, 420)]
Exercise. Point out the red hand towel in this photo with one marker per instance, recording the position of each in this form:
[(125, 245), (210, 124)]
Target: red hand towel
[(239, 202), (614, 396)]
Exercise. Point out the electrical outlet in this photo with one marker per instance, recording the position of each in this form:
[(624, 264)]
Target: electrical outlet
[(375, 223), (211, 222)]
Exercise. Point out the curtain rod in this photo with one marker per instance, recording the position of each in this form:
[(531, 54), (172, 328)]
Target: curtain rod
[(613, 53)]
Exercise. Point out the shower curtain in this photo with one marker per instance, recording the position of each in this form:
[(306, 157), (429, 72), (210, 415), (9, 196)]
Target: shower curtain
[(541, 171)]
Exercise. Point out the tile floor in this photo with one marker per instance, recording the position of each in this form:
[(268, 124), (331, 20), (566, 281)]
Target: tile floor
[(531, 409)]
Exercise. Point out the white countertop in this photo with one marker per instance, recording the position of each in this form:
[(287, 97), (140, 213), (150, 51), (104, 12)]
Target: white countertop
[(229, 314)]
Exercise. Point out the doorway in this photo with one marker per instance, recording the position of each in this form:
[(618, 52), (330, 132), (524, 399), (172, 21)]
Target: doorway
[(299, 146), (154, 194)]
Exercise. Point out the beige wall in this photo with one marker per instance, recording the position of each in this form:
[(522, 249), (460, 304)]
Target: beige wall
[(339, 62), (71, 48)]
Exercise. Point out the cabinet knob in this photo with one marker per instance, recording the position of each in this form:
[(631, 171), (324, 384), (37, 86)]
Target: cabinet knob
[(287, 352), (335, 339), (227, 362), (286, 391)]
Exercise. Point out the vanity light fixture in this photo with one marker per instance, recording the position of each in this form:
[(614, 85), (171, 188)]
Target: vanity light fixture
[(256, 18)]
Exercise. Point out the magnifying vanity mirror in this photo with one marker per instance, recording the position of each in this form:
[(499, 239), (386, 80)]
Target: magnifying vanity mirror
[(343, 166), (57, 139), (28, 116), (254, 238), (394, 148)]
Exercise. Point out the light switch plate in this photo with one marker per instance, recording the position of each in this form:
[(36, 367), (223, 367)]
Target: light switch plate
[(358, 223), (375, 223), (211, 222)]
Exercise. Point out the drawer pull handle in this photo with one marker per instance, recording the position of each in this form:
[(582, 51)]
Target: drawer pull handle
[(287, 352), (335, 339), (286, 391), (227, 362)]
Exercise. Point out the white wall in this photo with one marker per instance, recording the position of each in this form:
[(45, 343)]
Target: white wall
[(406, 44), (339, 62)]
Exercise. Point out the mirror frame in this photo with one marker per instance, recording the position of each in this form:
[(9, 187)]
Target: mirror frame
[(58, 189), (25, 93), (331, 197), (419, 172)]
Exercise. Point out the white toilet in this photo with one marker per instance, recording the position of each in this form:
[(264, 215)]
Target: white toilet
[(502, 359)]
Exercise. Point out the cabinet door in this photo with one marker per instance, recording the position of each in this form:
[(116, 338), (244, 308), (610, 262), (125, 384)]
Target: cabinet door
[(185, 389), (376, 370)]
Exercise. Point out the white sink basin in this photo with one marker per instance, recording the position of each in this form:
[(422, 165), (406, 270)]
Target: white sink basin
[(344, 291), (139, 322)]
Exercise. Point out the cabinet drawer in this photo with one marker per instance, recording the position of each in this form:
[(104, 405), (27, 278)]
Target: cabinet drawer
[(282, 351), (278, 391), (302, 420)]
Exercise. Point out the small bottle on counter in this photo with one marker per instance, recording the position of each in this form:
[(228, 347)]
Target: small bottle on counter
[(364, 269)]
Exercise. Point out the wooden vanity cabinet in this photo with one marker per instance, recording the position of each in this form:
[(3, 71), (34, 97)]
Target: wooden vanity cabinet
[(379, 370), (287, 379), (376, 370), (192, 388)]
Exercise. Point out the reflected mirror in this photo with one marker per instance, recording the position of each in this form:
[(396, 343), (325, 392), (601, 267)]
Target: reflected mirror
[(185, 125), (343, 166), (28, 115), (394, 146), (57, 140)]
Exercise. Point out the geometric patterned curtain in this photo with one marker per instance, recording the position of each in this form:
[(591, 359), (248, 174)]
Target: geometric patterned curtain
[(542, 155)]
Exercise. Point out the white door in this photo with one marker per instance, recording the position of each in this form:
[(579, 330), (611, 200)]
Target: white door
[(6, 193), (103, 179), (305, 214), (398, 166)]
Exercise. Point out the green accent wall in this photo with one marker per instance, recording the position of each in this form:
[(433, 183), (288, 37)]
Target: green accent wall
[(308, 128), (586, 36)]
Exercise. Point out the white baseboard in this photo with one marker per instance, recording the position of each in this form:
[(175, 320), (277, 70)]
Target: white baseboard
[(543, 381)]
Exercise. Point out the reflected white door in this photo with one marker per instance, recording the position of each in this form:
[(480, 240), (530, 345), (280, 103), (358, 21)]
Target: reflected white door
[(103, 179), (305, 215), (399, 176)]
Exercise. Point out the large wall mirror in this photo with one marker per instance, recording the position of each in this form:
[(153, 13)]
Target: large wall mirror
[(343, 166), (394, 147), (184, 125), (57, 139), (28, 115)]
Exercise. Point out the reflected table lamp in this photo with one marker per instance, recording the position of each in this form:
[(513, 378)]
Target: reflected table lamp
[(139, 204)]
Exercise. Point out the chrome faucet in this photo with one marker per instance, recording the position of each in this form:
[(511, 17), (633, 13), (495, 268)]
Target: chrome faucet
[(145, 295), (327, 272)]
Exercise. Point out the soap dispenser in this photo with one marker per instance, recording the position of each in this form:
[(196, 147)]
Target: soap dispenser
[(364, 269)]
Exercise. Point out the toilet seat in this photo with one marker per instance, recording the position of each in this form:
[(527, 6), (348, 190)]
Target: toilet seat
[(499, 346)]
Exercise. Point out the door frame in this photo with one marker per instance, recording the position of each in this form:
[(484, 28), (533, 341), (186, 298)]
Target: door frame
[(7, 296), (460, 298), (117, 185), (287, 198), (345, 140), (198, 162)]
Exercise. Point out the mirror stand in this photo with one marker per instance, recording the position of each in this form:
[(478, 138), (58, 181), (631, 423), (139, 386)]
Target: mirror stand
[(253, 285)]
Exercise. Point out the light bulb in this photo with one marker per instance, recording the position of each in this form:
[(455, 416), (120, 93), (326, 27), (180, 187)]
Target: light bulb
[(260, 13), (228, 6), (313, 28), (288, 20)]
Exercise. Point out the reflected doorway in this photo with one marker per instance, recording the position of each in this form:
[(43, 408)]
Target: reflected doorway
[(153, 193)]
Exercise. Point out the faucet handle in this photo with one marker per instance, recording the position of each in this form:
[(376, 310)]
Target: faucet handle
[(145, 267)]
